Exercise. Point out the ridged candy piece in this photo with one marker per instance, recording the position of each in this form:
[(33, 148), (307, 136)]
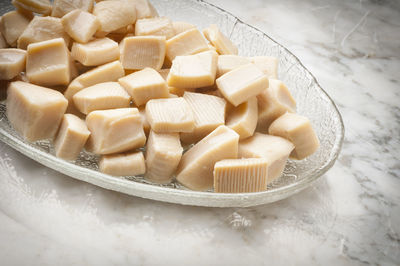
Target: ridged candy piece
[(227, 63), (186, 43), (12, 26), (139, 52), (12, 62), (272, 103), (193, 71), (298, 130), (48, 63), (274, 149), (34, 112), (240, 175), (242, 83), (267, 64), (42, 29), (123, 164), (243, 118), (181, 26), (161, 26), (71, 137), (63, 7), (145, 85), (219, 40), (114, 14), (115, 130), (96, 52), (102, 96), (80, 25), (195, 169), (169, 115), (37, 6), (208, 112), (163, 154)]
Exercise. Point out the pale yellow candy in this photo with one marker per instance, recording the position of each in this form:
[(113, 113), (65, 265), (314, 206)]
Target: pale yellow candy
[(186, 43), (145, 85), (142, 51), (227, 63), (36, 6), (163, 154), (62, 7), (161, 26), (243, 118), (144, 8), (272, 103), (34, 112), (115, 130), (242, 83), (96, 52), (241, 175), (298, 130), (274, 149), (102, 96), (219, 40), (42, 29), (195, 169), (123, 164), (267, 64), (193, 71), (114, 14), (22, 9), (12, 26), (169, 115), (12, 62), (80, 25), (208, 112), (181, 26), (48, 63), (71, 137)]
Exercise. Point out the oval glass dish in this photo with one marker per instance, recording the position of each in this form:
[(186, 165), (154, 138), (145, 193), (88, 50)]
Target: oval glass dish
[(312, 101)]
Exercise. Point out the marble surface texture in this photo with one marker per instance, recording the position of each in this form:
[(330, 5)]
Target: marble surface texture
[(351, 216)]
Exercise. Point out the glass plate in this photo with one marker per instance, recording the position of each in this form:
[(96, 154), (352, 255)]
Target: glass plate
[(312, 101)]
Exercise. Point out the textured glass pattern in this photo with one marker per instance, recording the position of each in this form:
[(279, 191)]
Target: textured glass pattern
[(312, 102)]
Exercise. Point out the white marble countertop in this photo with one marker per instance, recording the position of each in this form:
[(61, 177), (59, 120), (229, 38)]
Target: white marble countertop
[(350, 216)]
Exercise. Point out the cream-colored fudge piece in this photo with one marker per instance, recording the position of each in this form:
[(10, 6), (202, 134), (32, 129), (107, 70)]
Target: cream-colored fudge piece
[(169, 115), (272, 103), (208, 112), (12, 26), (275, 149), (123, 164), (243, 118), (146, 125), (21, 9), (42, 29), (63, 7), (96, 52), (267, 64), (35, 112), (163, 153), (298, 130), (12, 62), (145, 85), (102, 96), (37, 6), (108, 72), (115, 130), (114, 14), (80, 25), (219, 40), (139, 52), (241, 175), (71, 137), (164, 73), (193, 71), (48, 63), (181, 26), (186, 43), (242, 83), (227, 63), (195, 169), (3, 43), (161, 26)]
